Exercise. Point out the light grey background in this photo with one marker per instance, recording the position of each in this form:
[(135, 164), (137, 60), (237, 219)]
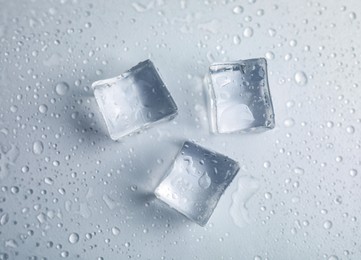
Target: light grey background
[(297, 195)]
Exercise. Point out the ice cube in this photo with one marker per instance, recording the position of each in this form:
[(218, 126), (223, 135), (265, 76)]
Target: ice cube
[(134, 100), (195, 181), (240, 99)]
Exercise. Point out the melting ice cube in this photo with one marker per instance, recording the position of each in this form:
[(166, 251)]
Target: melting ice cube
[(240, 100), (134, 100), (195, 181)]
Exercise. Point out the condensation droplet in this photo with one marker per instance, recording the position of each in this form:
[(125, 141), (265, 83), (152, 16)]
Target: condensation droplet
[(238, 9), (353, 172), (300, 78), (299, 170), (327, 224), (236, 39), (350, 129), (204, 181), (268, 195), (38, 147), (289, 122), (73, 238), (61, 88), (4, 219), (248, 32), (43, 109), (115, 231), (267, 164)]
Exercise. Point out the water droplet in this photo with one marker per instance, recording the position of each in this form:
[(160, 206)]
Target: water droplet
[(268, 195), (350, 129), (267, 164), (56, 163), (38, 147), (238, 9), (353, 16), (270, 55), (24, 169), (289, 122), (127, 244), (248, 32), (327, 224), (73, 238), (13, 108), (332, 257), (43, 109), (204, 181), (300, 78), (61, 88), (299, 170), (48, 181), (353, 172), (236, 39), (4, 219), (115, 231)]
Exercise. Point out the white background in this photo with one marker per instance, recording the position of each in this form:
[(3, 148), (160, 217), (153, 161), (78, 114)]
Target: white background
[(67, 190)]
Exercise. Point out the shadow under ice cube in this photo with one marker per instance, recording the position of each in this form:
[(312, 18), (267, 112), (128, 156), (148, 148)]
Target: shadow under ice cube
[(134, 100), (195, 181), (240, 99)]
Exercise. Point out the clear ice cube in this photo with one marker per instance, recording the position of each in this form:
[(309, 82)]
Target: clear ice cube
[(134, 100), (240, 99), (195, 181)]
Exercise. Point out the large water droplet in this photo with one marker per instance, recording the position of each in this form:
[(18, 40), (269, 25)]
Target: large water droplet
[(115, 231), (43, 109), (61, 88), (73, 238), (38, 147)]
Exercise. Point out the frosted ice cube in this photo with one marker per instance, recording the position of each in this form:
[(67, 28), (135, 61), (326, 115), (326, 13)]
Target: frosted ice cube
[(134, 100), (240, 100), (195, 181)]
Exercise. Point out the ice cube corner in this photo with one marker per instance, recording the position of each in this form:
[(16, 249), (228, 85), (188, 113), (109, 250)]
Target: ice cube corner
[(134, 100), (195, 181), (240, 99)]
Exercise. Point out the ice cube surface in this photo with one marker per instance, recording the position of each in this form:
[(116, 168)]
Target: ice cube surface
[(134, 100), (195, 181), (240, 99)]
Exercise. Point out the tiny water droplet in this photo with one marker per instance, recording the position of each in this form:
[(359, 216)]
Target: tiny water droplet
[(300, 78), (267, 164), (289, 122), (4, 219), (299, 170), (236, 39), (327, 224)]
